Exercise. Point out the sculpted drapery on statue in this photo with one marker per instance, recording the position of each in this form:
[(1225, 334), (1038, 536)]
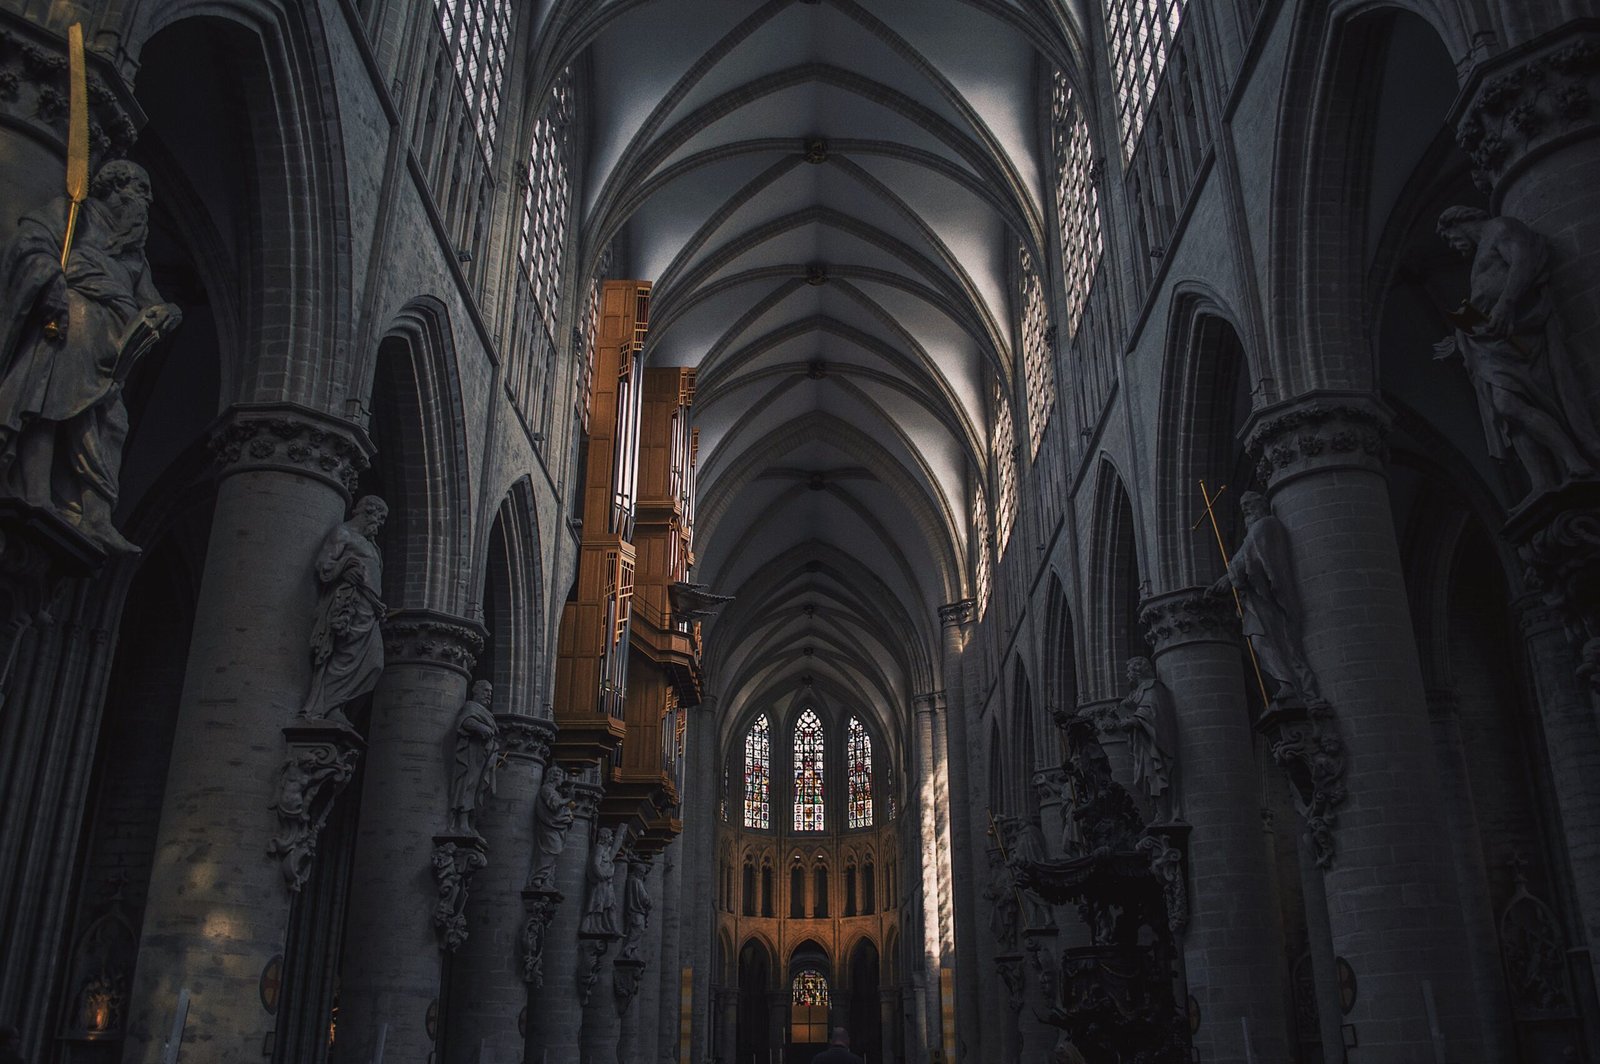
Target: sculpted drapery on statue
[(1152, 726), (636, 906), (347, 639), (1262, 571), (1507, 336), (552, 818), (477, 748), (68, 340), (600, 903), (1001, 893)]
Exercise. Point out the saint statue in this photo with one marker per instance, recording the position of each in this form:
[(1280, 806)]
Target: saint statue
[(1506, 335), (68, 340), (1152, 726), (477, 746), (600, 904), (635, 909), (1026, 846), (1001, 894), (347, 639), (1262, 571), (552, 817)]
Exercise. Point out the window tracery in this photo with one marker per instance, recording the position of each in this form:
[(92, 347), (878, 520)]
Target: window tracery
[(1005, 461), (757, 775), (808, 793), (1139, 34), (858, 755), (477, 34), (1077, 199), (546, 202), (980, 549), (1038, 361)]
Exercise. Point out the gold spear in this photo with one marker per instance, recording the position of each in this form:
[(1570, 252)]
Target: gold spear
[(1238, 604), (77, 146), (1000, 842)]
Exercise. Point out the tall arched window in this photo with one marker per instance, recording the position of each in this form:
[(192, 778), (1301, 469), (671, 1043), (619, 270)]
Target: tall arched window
[(546, 199), (1077, 199), (808, 799), (1004, 444), (1037, 354), (1139, 34), (858, 754), (477, 34), (757, 775), (808, 1020)]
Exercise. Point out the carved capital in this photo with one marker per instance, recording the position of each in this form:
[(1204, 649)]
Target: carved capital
[(1014, 975), (541, 906), (1306, 745), (1528, 102), (1318, 432), (525, 738), (289, 438), (34, 93), (956, 614), (320, 760), (1192, 615), (456, 858), (1166, 865), (425, 637)]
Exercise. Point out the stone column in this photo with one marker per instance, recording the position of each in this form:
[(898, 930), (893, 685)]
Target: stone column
[(670, 921), (1012, 977), (703, 772), (637, 1007), (489, 977), (555, 1019), (888, 1022), (1041, 958), (778, 1021), (726, 1009), (1393, 907), (928, 871), (399, 918), (1233, 944), (597, 987), (218, 907), (953, 619)]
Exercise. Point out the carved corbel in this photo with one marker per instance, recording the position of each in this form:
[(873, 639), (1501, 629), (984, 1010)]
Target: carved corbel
[(626, 973), (1306, 745), (540, 906), (456, 858), (591, 952), (321, 759)]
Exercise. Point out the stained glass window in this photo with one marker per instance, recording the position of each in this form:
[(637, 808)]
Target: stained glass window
[(546, 201), (757, 775), (980, 549), (808, 745), (1037, 358), (858, 752), (1005, 478), (810, 988), (808, 1020), (1140, 34), (478, 35), (1077, 199)]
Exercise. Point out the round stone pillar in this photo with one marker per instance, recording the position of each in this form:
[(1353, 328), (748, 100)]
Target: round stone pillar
[(1366, 772), (669, 922), (400, 925), (954, 619), (1006, 1033), (1233, 944), (725, 1006), (492, 973), (218, 909), (555, 1019)]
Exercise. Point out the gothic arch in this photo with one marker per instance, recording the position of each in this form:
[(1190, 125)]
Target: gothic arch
[(512, 597), (1113, 560)]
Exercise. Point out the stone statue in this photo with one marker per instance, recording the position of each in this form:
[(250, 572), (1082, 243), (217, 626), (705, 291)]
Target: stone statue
[(68, 340), (600, 903), (552, 817), (1505, 333), (1262, 571), (1152, 726), (1026, 847), (1001, 894), (347, 639), (477, 747), (635, 909)]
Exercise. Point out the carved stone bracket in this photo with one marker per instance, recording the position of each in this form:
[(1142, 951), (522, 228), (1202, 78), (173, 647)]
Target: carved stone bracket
[(1319, 431), (321, 759), (591, 951), (456, 858), (524, 737), (290, 438), (1040, 946), (541, 906), (956, 613), (1012, 973), (34, 92), (426, 637), (1164, 848), (1529, 101), (1306, 745), (1192, 615), (1559, 544), (626, 974)]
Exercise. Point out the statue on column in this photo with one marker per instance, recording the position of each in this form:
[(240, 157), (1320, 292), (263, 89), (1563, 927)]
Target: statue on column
[(600, 903), (1024, 848), (1262, 572), (1508, 338), (477, 747), (552, 818), (1001, 893), (347, 639), (69, 337), (1151, 722), (636, 907)]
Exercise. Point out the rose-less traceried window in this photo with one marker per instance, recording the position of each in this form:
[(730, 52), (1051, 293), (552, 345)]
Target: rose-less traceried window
[(1037, 359), (980, 550), (757, 775), (477, 34), (808, 747), (808, 1020), (1005, 476), (1139, 33), (546, 201), (858, 752), (1077, 199)]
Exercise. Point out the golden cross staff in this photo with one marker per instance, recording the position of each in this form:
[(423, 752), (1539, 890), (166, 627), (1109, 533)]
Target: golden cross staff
[(77, 135), (1238, 604), (1000, 842)]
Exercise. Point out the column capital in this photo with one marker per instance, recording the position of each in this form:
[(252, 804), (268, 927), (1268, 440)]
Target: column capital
[(925, 703), (586, 800), (1527, 102), (36, 89), (290, 438), (1188, 615), (1318, 431), (525, 738), (428, 637), (956, 614)]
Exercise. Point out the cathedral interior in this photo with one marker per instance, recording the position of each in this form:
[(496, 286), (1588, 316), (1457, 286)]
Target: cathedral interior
[(590, 531)]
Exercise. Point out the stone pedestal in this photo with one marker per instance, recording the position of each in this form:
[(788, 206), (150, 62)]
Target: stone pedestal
[(627, 982), (1233, 943), (1011, 972), (555, 1016), (1392, 901), (497, 971), (218, 907), (408, 885)]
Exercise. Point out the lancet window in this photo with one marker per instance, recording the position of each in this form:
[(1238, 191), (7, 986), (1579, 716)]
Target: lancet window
[(980, 549), (1037, 359), (1077, 199), (1005, 462), (1140, 34), (478, 35), (858, 756), (808, 750), (757, 775), (808, 1020), (547, 200)]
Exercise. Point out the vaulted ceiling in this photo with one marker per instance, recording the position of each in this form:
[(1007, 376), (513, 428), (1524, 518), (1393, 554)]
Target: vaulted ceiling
[(829, 197)]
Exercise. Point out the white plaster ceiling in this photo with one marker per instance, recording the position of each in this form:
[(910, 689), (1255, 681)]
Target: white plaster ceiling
[(840, 421)]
